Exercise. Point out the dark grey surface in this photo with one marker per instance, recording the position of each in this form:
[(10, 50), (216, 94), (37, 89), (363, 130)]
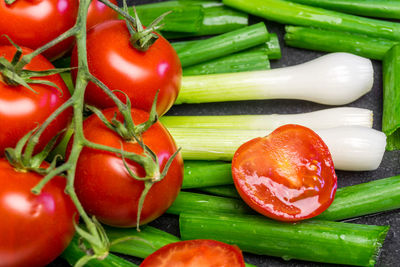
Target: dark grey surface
[(390, 255)]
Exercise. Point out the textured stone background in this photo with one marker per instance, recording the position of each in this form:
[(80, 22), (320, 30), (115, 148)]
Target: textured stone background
[(390, 255)]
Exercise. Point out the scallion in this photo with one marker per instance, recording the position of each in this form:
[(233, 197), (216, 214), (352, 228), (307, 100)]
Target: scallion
[(333, 79), (206, 173)]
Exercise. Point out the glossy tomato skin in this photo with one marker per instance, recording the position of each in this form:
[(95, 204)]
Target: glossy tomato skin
[(198, 252), (34, 229), (288, 175), (140, 75), (34, 23), (104, 186), (21, 110), (99, 12)]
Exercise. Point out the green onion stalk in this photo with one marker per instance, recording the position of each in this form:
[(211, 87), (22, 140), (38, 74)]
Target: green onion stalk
[(93, 233)]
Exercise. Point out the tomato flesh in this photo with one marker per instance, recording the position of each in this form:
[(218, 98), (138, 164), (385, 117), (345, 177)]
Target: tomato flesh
[(35, 23), (99, 12), (196, 253), (21, 110), (34, 229), (288, 175), (140, 75), (105, 187)]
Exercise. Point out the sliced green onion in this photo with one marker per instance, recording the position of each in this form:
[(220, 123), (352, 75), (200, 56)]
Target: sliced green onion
[(333, 79), (391, 98), (202, 203), (241, 61), (334, 41), (272, 47), (221, 191), (73, 254), (321, 241), (222, 45), (287, 12), (326, 118), (183, 18), (369, 8), (131, 242), (206, 173), (352, 147), (217, 19)]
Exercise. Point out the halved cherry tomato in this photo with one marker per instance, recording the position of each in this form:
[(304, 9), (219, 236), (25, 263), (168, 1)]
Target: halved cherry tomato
[(35, 229), (21, 110), (103, 184), (288, 175), (99, 12), (120, 66), (196, 253), (35, 23)]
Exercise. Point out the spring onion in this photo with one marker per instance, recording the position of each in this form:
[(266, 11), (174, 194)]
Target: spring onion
[(206, 173), (368, 8), (287, 12), (73, 254), (333, 79), (222, 45), (183, 18), (352, 148), (391, 98), (355, 244), (221, 191), (334, 41), (326, 118), (216, 20)]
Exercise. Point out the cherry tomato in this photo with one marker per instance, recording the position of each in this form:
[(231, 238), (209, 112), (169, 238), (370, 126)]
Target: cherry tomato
[(34, 23), (35, 229), (99, 12), (105, 187), (21, 110), (194, 253), (288, 175), (114, 61)]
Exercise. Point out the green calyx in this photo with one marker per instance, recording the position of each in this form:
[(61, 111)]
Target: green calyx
[(15, 76), (9, 2), (142, 38)]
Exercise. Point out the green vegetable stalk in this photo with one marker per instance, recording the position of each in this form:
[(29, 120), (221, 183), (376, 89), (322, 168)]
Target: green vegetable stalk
[(337, 41), (320, 241), (221, 190), (391, 98), (287, 12)]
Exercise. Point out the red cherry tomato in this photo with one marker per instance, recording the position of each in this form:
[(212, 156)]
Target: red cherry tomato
[(288, 175), (99, 12), (105, 187), (195, 253), (21, 110), (114, 61), (35, 229), (34, 23)]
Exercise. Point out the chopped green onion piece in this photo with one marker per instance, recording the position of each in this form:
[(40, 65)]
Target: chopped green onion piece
[(221, 191), (183, 18), (368, 8), (287, 12), (326, 118), (222, 45), (352, 147), (73, 253), (335, 41), (320, 241), (216, 20), (333, 79), (206, 173), (391, 98)]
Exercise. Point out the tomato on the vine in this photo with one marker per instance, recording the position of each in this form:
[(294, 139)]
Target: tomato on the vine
[(35, 229), (21, 110), (120, 66), (35, 23), (99, 12), (198, 252), (288, 175), (104, 186)]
